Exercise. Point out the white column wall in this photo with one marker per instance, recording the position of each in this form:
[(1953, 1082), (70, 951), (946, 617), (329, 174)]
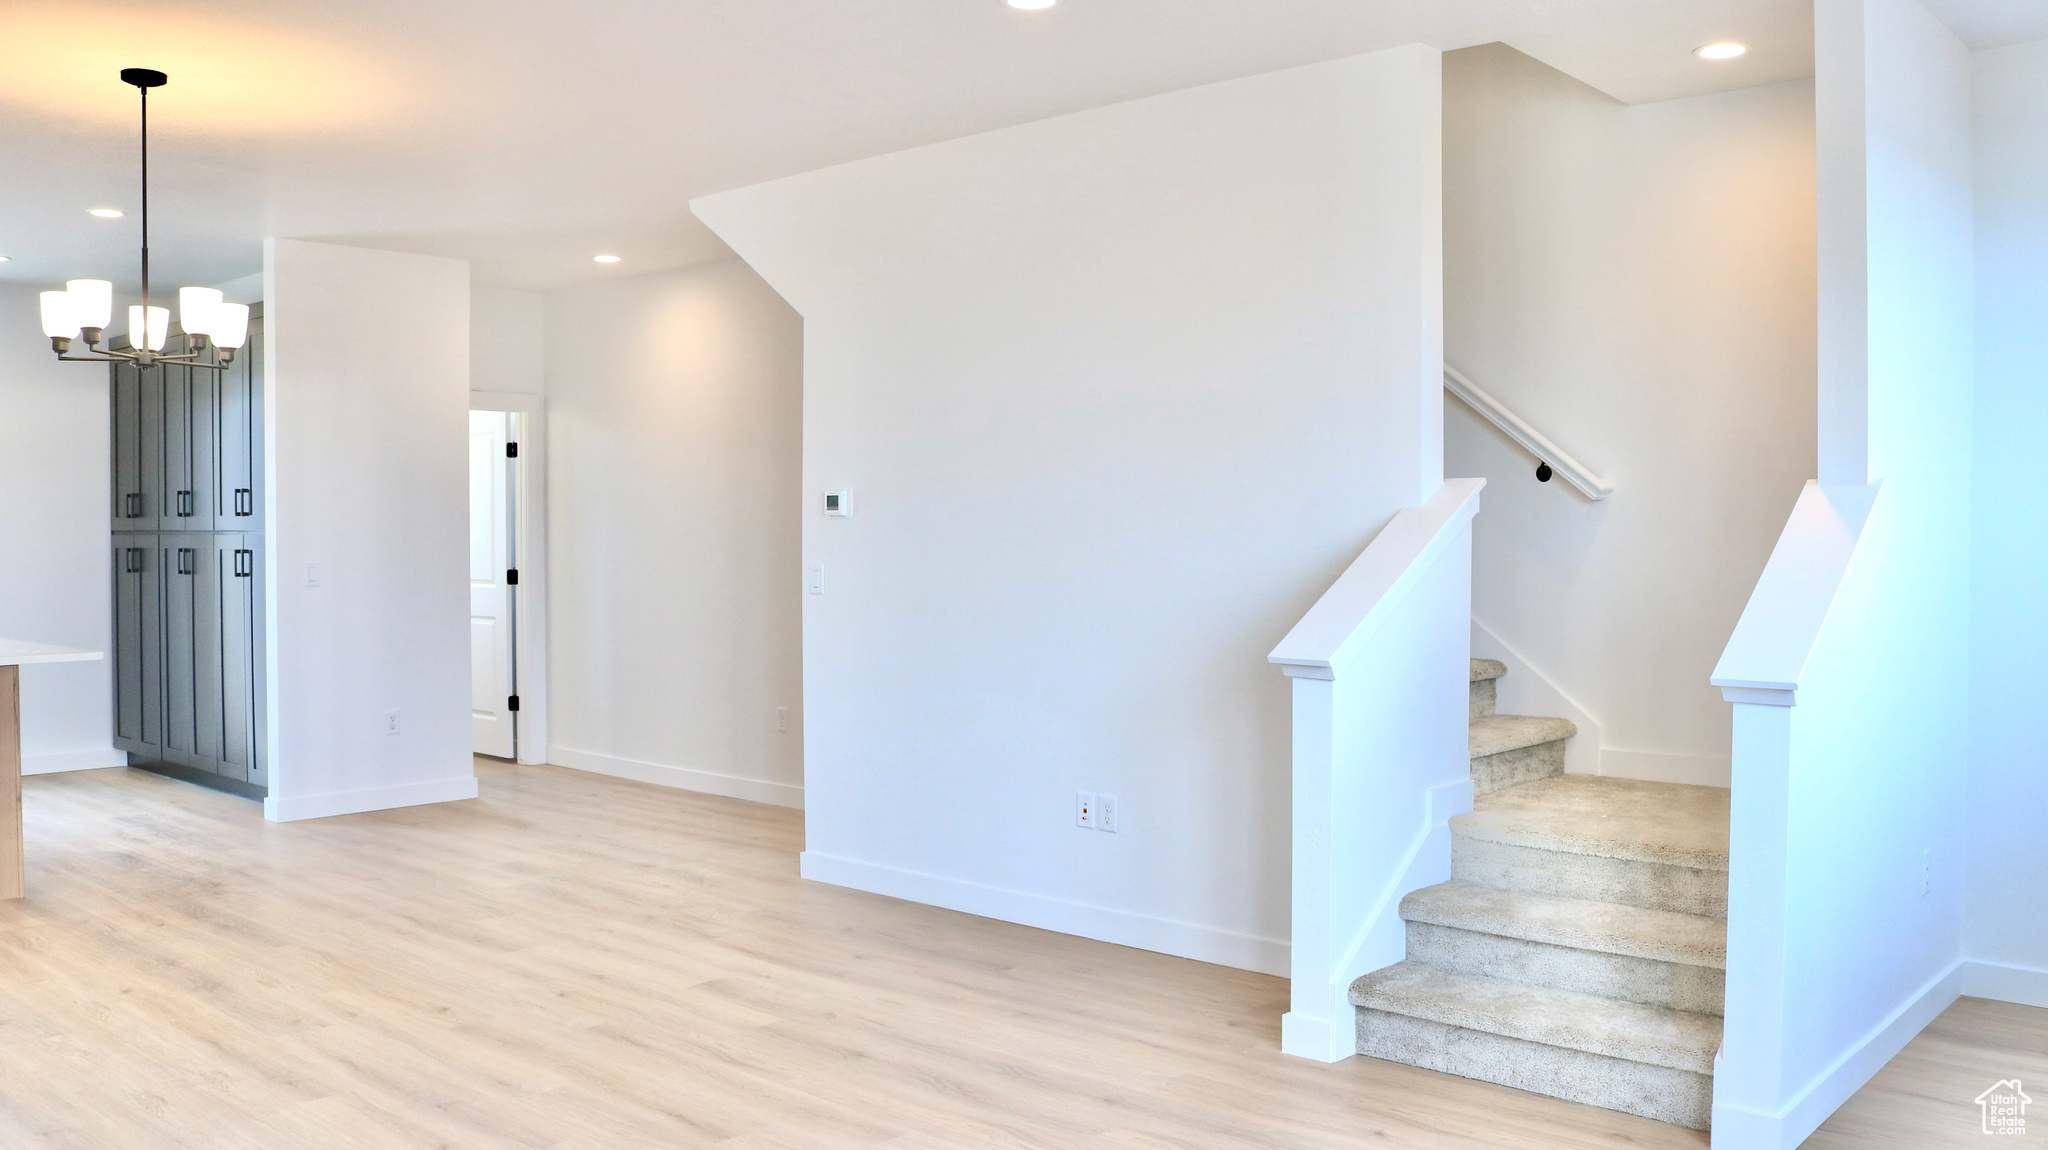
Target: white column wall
[(2005, 934), (367, 462)]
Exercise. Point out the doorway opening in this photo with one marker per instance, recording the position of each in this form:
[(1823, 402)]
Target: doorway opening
[(494, 476)]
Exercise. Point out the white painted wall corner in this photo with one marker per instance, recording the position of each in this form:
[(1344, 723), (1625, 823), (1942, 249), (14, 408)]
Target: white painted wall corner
[(90, 759), (1105, 924), (681, 778)]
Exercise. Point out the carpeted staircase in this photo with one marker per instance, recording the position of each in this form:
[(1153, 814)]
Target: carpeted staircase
[(1578, 950)]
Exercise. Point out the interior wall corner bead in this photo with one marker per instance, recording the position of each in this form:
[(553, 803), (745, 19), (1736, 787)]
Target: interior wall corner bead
[(86, 306), (1550, 458)]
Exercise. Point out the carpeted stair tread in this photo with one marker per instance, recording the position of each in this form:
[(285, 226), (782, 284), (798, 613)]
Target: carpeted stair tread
[(1625, 1030), (1493, 734), (1670, 823), (1488, 669), (1581, 924)]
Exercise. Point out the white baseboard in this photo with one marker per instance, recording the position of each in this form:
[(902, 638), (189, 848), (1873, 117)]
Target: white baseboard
[(292, 809), (1165, 936), (1665, 767), (1744, 1128), (51, 762), (1526, 690), (681, 778), (2020, 984)]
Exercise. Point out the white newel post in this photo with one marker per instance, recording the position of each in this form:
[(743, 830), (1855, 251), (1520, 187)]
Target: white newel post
[(1318, 1022)]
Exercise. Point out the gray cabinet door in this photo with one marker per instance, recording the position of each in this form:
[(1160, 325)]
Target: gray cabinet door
[(238, 661), (131, 510), (238, 405), (202, 417), (149, 513), (185, 640), (138, 697), (187, 454)]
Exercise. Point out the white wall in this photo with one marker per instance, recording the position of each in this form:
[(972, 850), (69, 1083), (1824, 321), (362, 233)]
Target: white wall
[(675, 427), (1847, 864), (505, 341), (1119, 394), (53, 539), (367, 454), (2004, 930), (1637, 282)]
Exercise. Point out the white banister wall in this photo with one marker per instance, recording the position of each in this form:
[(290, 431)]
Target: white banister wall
[(1379, 679), (1849, 671)]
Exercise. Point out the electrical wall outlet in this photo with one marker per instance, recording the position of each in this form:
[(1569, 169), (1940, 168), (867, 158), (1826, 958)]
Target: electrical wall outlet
[(1084, 808), (817, 578), (391, 722), (782, 718), (1927, 872), (312, 574), (1105, 813)]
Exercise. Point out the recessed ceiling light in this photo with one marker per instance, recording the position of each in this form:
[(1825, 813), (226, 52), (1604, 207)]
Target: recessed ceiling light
[(1032, 5), (104, 213), (1727, 50), (4, 259), (606, 259)]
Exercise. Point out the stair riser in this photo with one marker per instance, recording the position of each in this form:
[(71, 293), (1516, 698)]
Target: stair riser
[(1657, 886), (1676, 1096), (1513, 768), (1649, 981), (1482, 699)]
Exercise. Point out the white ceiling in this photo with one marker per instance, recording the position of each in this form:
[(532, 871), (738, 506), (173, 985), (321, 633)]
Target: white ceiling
[(528, 135)]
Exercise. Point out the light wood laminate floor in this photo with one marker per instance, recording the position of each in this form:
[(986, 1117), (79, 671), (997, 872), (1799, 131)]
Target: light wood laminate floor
[(582, 963)]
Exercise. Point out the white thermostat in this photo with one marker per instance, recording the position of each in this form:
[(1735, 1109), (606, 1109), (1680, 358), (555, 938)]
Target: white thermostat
[(839, 504)]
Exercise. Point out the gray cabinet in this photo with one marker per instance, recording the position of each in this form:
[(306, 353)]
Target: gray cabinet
[(188, 561), (138, 660)]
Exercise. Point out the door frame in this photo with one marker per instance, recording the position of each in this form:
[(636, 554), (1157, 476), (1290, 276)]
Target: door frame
[(530, 642)]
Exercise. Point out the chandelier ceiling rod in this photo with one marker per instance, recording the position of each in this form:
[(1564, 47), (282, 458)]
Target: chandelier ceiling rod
[(144, 79), (85, 306)]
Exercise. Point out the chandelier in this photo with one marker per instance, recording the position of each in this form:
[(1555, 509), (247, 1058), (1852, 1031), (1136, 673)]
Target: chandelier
[(85, 306)]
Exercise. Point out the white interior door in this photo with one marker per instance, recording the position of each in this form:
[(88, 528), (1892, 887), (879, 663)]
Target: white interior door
[(490, 598)]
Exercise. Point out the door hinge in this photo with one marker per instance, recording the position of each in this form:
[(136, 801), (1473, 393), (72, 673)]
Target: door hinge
[(512, 577), (511, 702), (511, 451)]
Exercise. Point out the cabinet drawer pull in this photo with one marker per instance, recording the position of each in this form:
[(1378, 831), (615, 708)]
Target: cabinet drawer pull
[(132, 561), (245, 563), (134, 505), (185, 504), (245, 501), (187, 560)]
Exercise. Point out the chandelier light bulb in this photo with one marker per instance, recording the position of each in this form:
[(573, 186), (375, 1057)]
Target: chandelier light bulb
[(197, 309), (230, 325), (159, 328), (94, 300), (60, 315)]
